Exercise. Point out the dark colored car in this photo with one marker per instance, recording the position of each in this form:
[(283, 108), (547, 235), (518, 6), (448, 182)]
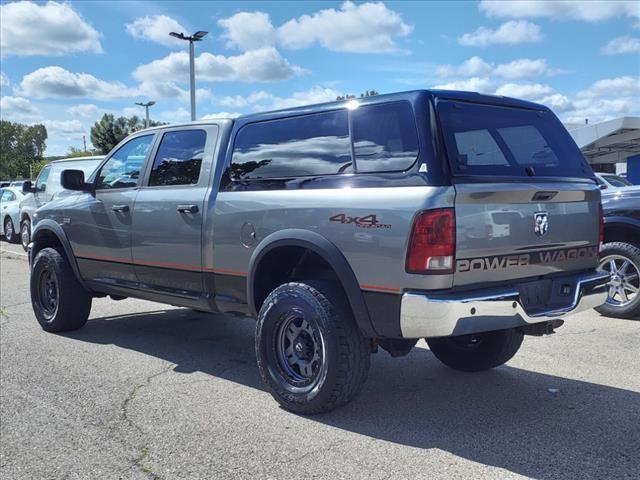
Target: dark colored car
[(620, 254)]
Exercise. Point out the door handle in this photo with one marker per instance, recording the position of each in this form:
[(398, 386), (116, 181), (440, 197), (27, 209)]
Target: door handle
[(120, 208), (187, 208)]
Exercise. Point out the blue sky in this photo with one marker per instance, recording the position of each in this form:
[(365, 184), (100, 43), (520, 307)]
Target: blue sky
[(65, 64)]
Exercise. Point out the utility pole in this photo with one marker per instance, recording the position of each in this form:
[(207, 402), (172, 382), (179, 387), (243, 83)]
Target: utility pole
[(146, 106), (196, 37), (84, 141)]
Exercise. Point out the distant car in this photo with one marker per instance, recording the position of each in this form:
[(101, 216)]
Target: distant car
[(47, 187), (609, 181), (620, 254), (17, 183), (5, 183), (10, 198)]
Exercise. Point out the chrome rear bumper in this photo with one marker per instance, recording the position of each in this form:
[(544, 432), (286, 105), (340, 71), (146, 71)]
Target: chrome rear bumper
[(441, 315)]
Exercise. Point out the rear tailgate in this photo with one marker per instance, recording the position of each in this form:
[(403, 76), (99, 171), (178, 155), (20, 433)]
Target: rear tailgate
[(507, 231), (527, 204)]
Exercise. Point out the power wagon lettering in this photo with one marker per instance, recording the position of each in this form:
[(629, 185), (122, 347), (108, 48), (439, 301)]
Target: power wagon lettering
[(508, 261)]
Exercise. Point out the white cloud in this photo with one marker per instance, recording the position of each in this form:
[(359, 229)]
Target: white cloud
[(28, 28), (158, 89), (238, 101), (314, 95), (4, 80), (358, 28), (473, 84), (470, 67), (174, 116), (476, 66), (210, 116), (605, 99), (132, 112), (362, 28), (84, 110), (56, 82), (590, 11), (156, 28), (527, 91), (264, 64), (248, 30), (261, 100), (622, 45), (67, 129), (607, 87), (556, 102), (523, 68), (18, 109), (509, 33)]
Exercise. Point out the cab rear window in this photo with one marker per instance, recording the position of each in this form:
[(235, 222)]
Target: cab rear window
[(505, 141)]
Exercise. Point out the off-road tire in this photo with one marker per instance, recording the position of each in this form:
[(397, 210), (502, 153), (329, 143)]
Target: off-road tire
[(490, 350), (345, 351), (25, 224), (10, 227), (632, 253), (73, 303)]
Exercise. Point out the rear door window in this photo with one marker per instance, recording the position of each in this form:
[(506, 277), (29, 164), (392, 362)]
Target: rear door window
[(179, 158), (384, 137), (507, 141), (316, 144)]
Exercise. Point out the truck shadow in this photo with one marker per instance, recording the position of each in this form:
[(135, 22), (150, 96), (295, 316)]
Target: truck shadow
[(533, 424)]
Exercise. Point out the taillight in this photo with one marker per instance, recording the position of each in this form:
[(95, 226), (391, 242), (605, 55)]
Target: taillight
[(432, 245), (601, 243)]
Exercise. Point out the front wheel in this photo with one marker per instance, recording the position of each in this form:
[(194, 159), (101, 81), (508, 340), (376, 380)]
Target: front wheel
[(25, 233), (477, 351), (59, 301), (9, 231), (622, 261), (311, 355)]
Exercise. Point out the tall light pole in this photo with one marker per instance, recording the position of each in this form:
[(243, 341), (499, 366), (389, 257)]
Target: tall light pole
[(196, 37), (146, 106)]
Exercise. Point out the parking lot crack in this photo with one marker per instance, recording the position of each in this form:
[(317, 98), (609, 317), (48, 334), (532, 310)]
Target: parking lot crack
[(124, 409), (140, 461)]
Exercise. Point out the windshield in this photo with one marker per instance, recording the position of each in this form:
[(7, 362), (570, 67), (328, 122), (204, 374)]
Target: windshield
[(505, 141), (617, 181)]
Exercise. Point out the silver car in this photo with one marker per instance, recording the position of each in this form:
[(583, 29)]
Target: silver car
[(10, 198), (47, 187)]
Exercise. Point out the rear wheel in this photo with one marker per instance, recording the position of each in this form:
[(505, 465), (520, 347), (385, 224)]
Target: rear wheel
[(9, 231), (622, 261), (311, 354), (25, 233), (478, 351), (59, 301)]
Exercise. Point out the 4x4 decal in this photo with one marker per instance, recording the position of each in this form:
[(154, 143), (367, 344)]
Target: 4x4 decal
[(367, 221)]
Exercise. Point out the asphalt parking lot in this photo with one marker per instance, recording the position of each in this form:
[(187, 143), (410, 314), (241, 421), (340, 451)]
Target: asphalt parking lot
[(149, 391)]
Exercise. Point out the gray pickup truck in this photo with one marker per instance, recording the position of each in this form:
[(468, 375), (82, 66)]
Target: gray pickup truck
[(465, 219)]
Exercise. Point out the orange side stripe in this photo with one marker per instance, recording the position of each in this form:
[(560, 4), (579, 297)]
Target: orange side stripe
[(379, 288), (153, 263)]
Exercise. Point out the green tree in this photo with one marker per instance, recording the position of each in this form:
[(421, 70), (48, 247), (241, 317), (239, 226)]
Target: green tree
[(366, 93), (77, 152), (109, 131), (21, 147)]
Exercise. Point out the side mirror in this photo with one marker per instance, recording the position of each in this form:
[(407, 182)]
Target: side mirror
[(602, 186), (27, 187), (73, 180)]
